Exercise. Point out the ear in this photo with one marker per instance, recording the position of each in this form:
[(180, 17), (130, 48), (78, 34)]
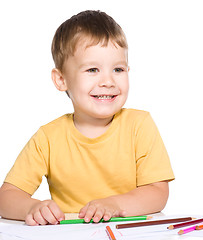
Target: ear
[(58, 80)]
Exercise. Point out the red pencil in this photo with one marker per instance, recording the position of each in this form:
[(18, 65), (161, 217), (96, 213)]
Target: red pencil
[(156, 222), (110, 233), (185, 224)]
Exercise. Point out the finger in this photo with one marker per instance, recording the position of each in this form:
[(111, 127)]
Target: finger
[(118, 213), (83, 211), (122, 213), (98, 214), (48, 215), (107, 215), (39, 218), (89, 213), (30, 221), (56, 211)]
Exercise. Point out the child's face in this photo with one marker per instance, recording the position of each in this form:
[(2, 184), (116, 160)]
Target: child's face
[(97, 80)]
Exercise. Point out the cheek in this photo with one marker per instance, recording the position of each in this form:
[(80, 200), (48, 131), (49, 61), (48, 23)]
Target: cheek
[(86, 85), (124, 85), (82, 89)]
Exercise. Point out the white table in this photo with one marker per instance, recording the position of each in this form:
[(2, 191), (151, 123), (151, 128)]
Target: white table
[(17, 230)]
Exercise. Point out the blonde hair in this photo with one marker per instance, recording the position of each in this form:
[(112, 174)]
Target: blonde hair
[(96, 25)]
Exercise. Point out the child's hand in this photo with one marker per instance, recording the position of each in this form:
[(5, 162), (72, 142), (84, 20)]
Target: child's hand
[(44, 212), (102, 208)]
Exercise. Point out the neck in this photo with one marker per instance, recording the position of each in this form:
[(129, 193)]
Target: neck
[(91, 127)]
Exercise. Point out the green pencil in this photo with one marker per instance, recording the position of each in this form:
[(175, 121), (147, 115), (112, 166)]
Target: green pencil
[(113, 219)]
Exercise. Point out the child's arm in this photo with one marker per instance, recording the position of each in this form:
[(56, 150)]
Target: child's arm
[(142, 200), (17, 204)]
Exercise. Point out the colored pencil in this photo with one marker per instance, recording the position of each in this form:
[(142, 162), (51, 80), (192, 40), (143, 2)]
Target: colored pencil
[(199, 227), (185, 224), (113, 219), (157, 222), (187, 230), (110, 233)]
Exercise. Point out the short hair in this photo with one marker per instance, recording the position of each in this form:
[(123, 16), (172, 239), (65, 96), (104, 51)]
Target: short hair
[(96, 25)]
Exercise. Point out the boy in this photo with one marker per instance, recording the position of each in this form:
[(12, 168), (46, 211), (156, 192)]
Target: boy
[(102, 161)]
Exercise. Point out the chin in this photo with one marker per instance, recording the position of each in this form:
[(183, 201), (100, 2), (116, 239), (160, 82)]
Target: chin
[(103, 115)]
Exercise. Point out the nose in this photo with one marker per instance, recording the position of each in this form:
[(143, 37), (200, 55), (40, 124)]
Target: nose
[(107, 80)]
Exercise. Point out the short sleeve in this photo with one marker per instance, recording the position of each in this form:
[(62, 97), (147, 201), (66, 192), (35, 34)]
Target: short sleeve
[(152, 160), (31, 164)]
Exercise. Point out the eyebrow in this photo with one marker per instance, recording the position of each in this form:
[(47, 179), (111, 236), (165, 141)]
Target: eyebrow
[(87, 64), (122, 63)]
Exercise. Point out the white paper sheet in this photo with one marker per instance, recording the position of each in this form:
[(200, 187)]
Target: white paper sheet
[(92, 232)]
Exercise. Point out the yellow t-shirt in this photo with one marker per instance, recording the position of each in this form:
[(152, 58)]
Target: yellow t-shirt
[(130, 153)]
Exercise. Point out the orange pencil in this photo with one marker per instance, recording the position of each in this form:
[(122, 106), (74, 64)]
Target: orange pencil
[(110, 233), (200, 227)]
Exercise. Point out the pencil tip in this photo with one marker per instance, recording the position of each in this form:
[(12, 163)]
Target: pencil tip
[(170, 227), (180, 232)]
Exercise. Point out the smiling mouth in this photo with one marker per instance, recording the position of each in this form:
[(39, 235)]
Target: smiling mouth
[(104, 96)]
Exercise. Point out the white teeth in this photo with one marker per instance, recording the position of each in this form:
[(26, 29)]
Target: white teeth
[(104, 97)]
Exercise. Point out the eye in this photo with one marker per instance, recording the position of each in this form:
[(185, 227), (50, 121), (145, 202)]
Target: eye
[(117, 70), (93, 70)]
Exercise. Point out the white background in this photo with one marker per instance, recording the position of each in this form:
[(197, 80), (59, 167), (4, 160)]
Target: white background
[(166, 59)]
